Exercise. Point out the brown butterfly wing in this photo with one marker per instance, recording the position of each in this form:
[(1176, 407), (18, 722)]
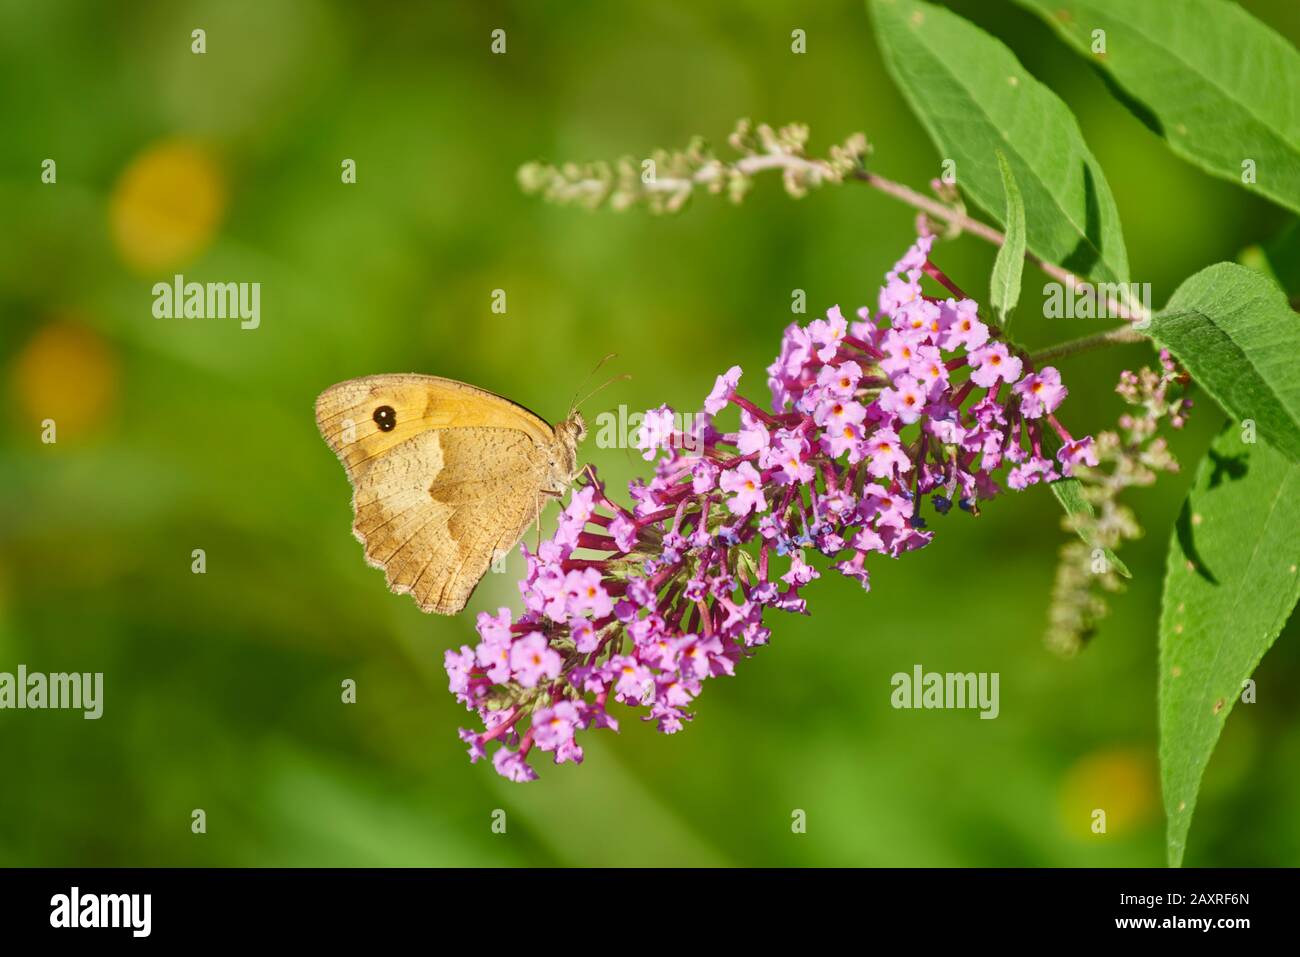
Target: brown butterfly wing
[(436, 510), (345, 414), (453, 482)]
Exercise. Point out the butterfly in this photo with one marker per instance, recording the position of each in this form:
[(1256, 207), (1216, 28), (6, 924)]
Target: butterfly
[(446, 477)]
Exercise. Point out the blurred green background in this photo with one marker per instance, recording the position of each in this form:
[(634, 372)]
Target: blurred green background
[(222, 691)]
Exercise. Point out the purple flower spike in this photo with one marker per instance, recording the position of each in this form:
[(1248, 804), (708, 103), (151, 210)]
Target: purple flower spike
[(641, 606)]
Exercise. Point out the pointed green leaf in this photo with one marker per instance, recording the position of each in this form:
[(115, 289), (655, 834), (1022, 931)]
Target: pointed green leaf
[(1217, 84), (1230, 586), (1010, 261), (1235, 333), (974, 98)]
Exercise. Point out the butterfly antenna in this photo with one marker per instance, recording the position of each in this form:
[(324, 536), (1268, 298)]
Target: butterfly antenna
[(587, 378), (608, 382), (576, 403)]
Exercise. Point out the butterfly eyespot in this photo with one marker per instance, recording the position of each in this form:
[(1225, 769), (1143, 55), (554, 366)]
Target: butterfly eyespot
[(385, 418)]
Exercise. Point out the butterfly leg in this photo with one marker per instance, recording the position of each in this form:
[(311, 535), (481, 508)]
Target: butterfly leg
[(541, 494)]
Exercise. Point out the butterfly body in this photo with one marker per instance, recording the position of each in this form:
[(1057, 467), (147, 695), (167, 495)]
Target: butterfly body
[(446, 477)]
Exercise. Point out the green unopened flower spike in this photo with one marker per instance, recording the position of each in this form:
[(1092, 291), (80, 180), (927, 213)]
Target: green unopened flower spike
[(1133, 455)]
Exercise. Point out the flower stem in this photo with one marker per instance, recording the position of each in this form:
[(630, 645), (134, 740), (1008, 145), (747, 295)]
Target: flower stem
[(1087, 343), (947, 214)]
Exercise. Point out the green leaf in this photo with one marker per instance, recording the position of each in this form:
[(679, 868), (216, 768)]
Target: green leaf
[(974, 98), (1217, 84), (1230, 586), (1010, 262), (1235, 333), (1069, 493)]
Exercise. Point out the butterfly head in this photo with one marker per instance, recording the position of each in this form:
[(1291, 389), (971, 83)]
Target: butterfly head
[(574, 426)]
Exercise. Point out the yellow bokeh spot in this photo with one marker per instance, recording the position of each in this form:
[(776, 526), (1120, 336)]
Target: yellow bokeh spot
[(67, 373), (1121, 782), (167, 205)]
